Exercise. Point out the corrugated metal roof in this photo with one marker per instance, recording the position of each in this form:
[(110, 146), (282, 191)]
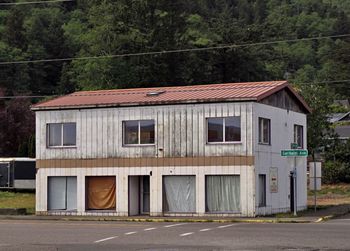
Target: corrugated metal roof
[(167, 95)]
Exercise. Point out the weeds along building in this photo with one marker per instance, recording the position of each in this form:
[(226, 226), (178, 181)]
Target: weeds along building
[(186, 150)]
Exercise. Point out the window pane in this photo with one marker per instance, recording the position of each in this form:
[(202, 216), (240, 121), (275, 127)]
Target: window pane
[(69, 134), (131, 132), (298, 135), (215, 130), (147, 132), (233, 129), (222, 193), (55, 134), (179, 194), (264, 130), (56, 194)]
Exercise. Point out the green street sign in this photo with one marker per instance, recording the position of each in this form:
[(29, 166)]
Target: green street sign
[(294, 145), (294, 153)]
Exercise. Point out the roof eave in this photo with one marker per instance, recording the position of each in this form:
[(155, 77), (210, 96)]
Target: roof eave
[(280, 87), (197, 101)]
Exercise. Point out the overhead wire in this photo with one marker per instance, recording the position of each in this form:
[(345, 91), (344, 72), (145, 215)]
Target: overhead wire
[(224, 46), (35, 2)]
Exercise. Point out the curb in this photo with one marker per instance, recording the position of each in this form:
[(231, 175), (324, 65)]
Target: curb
[(277, 220)]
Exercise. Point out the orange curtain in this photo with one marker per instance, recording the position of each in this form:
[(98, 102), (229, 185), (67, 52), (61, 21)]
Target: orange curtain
[(101, 192)]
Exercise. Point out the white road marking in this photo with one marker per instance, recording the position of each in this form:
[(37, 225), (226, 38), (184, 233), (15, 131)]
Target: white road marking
[(185, 234), (129, 233), (149, 229), (205, 229), (226, 226), (106, 239), (174, 225)]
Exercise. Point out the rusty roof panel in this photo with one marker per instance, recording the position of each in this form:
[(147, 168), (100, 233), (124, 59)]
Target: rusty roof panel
[(164, 95)]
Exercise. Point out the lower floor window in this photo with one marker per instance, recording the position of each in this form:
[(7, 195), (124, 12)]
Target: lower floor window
[(100, 192), (179, 194), (62, 193), (222, 193)]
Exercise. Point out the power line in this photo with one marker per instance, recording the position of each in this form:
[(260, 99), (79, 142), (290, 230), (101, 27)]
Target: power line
[(35, 2), (14, 97), (227, 46)]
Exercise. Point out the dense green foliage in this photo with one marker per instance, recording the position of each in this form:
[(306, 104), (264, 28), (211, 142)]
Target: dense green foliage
[(96, 27), (85, 28), (337, 165)]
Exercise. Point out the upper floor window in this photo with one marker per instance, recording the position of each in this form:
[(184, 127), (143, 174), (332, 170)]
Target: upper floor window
[(61, 134), (226, 129), (138, 132), (264, 131), (298, 135)]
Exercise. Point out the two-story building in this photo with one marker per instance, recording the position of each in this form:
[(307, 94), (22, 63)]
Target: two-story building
[(187, 150)]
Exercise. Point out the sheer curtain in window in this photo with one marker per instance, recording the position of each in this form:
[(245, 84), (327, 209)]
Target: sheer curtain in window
[(179, 194), (223, 193)]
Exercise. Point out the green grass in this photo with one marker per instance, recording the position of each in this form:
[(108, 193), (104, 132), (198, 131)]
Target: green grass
[(18, 200), (339, 189)]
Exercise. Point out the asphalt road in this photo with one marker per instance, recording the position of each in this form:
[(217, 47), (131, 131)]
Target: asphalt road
[(59, 235)]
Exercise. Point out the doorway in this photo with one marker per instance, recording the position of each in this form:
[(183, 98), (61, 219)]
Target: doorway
[(139, 195), (291, 191)]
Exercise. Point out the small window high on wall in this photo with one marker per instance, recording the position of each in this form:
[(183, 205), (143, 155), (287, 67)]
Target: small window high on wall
[(226, 129), (222, 193), (298, 135), (61, 134), (179, 194), (62, 193), (264, 131), (138, 132)]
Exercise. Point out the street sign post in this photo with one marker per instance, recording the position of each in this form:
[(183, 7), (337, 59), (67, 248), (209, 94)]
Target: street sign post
[(294, 153)]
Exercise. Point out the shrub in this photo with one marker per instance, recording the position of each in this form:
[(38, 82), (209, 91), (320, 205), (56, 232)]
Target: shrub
[(335, 172)]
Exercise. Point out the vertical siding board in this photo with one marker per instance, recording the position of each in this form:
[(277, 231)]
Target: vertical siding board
[(117, 131), (89, 134), (202, 134), (189, 132), (159, 140), (166, 132), (171, 131), (237, 112), (177, 132), (183, 128), (194, 131), (206, 147), (105, 137)]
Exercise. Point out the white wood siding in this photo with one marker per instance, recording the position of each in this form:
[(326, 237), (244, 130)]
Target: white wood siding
[(156, 187), (180, 131), (266, 156)]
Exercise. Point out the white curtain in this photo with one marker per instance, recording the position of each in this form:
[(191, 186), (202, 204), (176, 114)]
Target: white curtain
[(179, 194), (223, 193)]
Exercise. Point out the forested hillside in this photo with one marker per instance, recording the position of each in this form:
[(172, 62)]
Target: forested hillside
[(313, 48)]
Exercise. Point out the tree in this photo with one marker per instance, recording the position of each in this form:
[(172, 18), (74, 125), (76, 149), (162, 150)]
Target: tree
[(17, 125)]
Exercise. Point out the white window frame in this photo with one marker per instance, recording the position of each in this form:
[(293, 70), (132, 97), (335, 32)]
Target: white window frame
[(223, 130), (296, 134), (62, 126), (139, 133), (261, 131)]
